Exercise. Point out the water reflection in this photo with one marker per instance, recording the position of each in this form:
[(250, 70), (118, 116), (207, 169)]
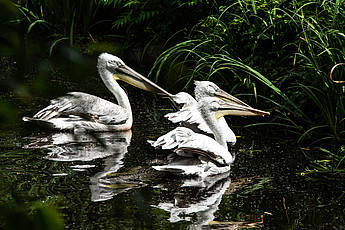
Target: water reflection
[(84, 148), (196, 196)]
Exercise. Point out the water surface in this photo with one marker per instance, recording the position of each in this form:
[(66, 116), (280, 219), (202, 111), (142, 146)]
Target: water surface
[(104, 181)]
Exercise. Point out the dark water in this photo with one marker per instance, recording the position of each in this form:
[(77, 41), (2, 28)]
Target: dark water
[(105, 181)]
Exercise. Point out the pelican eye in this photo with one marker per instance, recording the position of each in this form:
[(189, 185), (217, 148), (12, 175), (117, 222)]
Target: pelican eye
[(111, 62), (115, 64), (216, 88), (120, 64)]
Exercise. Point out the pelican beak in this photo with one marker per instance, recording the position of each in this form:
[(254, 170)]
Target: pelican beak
[(229, 98), (126, 74), (233, 109)]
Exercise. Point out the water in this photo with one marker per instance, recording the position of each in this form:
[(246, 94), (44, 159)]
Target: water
[(105, 181)]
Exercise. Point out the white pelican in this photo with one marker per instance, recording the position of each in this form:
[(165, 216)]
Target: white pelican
[(79, 111), (202, 155), (190, 114)]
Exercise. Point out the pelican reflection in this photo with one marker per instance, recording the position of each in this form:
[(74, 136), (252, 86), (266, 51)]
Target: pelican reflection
[(83, 149), (196, 196)]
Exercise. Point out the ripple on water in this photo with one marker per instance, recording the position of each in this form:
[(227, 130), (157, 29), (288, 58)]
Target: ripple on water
[(106, 180)]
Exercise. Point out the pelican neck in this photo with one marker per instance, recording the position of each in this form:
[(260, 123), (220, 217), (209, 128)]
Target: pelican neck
[(211, 121), (117, 91)]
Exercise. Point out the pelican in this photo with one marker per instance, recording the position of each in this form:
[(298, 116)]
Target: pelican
[(198, 154), (79, 111), (190, 114)]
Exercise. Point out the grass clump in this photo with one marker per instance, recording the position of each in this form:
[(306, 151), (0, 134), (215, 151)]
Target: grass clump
[(282, 52)]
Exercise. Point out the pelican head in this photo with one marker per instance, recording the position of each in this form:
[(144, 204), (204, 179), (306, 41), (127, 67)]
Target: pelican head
[(109, 62), (124, 73), (209, 89), (205, 89), (222, 108), (183, 98)]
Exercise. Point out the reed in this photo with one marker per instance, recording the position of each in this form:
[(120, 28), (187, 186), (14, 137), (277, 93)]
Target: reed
[(280, 51), (282, 54)]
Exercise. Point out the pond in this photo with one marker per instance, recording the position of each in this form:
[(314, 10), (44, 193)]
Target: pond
[(105, 181)]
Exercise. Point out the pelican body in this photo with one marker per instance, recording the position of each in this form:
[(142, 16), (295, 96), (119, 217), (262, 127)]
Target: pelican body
[(79, 111), (212, 155), (190, 111)]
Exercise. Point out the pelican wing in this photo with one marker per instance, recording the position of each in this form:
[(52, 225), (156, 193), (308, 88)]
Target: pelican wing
[(85, 106), (113, 119), (189, 114), (172, 139), (204, 153), (184, 98), (208, 144), (191, 144)]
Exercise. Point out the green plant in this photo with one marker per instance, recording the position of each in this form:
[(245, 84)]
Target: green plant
[(58, 20), (15, 214), (329, 162), (137, 12), (139, 21), (62, 16), (280, 51)]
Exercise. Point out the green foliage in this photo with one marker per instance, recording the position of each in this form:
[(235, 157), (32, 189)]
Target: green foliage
[(329, 164), (133, 12), (265, 181), (59, 16), (280, 51), (57, 20), (10, 34), (139, 21), (137, 12), (15, 214)]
